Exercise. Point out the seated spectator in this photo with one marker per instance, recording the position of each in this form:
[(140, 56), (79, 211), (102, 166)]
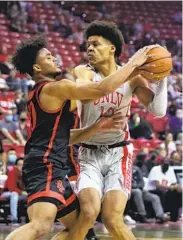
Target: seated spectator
[(175, 123), (162, 181), (23, 125), (179, 147), (159, 125), (162, 154), (151, 160), (30, 82), (20, 101), (61, 26), (14, 189), (142, 163), (177, 17), (13, 81), (169, 143), (10, 131), (24, 85), (154, 199), (3, 159), (78, 36), (13, 11), (14, 113), (6, 103), (42, 26), (11, 157), (175, 159), (137, 193), (140, 194), (139, 128), (172, 108)]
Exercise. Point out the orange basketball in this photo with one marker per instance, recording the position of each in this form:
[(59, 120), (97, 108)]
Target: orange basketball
[(162, 61)]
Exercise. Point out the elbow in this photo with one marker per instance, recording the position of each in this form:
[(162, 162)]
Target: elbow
[(160, 113), (157, 110)]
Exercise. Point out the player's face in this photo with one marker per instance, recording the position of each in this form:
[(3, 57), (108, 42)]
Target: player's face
[(46, 63), (99, 50)]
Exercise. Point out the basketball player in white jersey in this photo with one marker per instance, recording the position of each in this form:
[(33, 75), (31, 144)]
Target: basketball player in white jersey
[(104, 183)]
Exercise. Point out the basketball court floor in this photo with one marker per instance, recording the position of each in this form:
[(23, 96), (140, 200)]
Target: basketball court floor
[(168, 231)]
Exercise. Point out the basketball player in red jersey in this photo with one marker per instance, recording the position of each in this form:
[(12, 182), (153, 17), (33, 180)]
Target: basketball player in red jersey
[(106, 159), (47, 166)]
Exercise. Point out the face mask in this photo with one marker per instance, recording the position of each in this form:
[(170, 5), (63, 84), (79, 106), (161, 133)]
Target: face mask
[(179, 115), (137, 121), (9, 118), (165, 167), (12, 158)]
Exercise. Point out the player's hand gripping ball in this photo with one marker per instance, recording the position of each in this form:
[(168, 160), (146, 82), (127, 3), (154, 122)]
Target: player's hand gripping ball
[(160, 64)]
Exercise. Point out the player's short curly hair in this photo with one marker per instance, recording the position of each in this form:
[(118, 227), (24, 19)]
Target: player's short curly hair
[(26, 52), (108, 30)]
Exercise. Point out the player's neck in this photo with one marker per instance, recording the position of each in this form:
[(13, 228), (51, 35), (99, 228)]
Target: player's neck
[(40, 77), (107, 68)]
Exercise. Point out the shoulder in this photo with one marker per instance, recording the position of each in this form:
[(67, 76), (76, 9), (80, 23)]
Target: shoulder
[(171, 170), (155, 169), (83, 71)]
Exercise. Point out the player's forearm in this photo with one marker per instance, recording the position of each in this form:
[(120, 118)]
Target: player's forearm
[(115, 80), (81, 134), (7, 135), (4, 158), (20, 137), (158, 105)]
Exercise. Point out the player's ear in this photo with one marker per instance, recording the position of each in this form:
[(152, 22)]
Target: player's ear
[(36, 68), (113, 48)]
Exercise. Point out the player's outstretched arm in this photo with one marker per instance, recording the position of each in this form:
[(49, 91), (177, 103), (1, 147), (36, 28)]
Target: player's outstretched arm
[(104, 124), (65, 89)]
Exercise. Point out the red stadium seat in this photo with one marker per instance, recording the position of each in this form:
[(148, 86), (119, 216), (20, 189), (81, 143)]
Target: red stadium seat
[(3, 27), (155, 143), (142, 143), (19, 149), (54, 34)]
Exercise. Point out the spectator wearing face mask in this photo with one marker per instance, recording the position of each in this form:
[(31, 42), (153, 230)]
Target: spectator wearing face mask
[(11, 157), (10, 131), (8, 160), (162, 181)]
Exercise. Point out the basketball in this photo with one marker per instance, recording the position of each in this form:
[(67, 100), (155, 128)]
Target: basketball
[(163, 64)]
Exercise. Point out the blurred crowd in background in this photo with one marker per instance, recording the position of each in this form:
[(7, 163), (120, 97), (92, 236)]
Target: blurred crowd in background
[(157, 142)]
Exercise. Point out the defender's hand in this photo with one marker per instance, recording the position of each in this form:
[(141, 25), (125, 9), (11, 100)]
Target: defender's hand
[(113, 122)]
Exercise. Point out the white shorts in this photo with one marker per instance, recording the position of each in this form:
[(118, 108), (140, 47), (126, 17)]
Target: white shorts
[(105, 169)]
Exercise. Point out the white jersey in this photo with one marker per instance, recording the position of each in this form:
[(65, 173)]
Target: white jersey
[(90, 112)]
